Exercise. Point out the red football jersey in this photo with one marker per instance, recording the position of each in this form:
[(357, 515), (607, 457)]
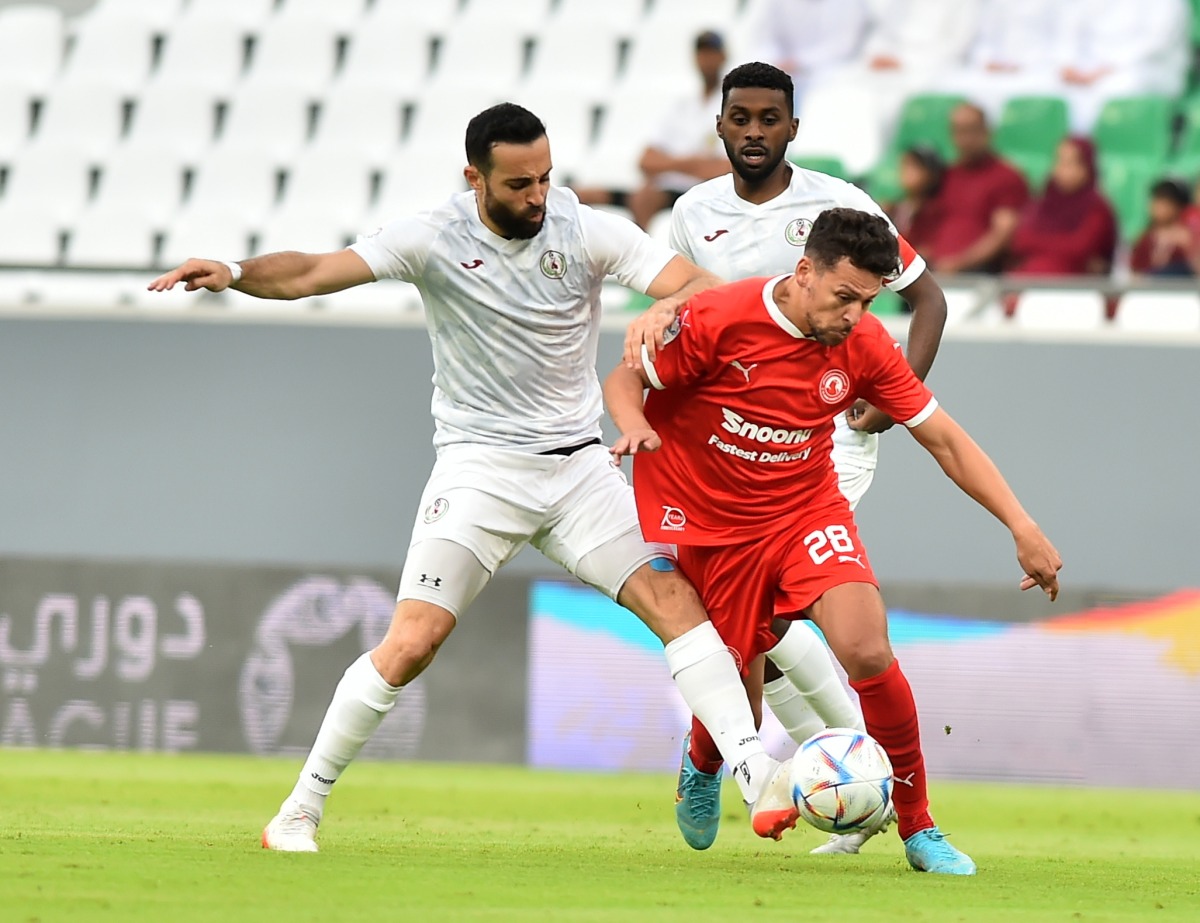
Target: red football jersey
[(744, 403)]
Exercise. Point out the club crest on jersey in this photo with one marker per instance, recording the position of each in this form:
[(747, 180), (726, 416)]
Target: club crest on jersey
[(673, 519), (437, 509), (834, 386), (553, 264), (796, 233)]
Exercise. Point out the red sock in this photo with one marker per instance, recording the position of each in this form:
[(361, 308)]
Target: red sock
[(703, 751), (891, 717)]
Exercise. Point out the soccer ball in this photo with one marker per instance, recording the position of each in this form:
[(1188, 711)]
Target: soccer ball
[(841, 780)]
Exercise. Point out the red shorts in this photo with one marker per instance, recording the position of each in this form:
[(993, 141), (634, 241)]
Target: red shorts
[(744, 587)]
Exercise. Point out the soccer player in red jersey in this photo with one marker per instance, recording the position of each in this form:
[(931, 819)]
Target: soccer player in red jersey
[(732, 463)]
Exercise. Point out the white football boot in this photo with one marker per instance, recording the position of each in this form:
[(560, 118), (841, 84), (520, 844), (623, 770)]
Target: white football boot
[(848, 844), (293, 829), (774, 811)]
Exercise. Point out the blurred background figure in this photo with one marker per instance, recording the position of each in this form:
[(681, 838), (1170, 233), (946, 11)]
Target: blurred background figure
[(1070, 229), (921, 172), (1013, 53), (810, 39), (968, 224), (684, 150), (1114, 48), (1170, 245)]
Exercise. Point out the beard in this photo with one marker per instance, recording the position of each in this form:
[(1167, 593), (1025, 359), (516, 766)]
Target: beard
[(513, 225), (753, 173)]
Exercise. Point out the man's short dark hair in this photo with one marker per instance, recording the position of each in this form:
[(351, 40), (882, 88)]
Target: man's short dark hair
[(864, 239), (1173, 190), (757, 75), (506, 123)]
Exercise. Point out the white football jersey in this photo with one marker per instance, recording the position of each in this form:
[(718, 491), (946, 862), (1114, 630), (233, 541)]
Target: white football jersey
[(717, 229), (514, 323)]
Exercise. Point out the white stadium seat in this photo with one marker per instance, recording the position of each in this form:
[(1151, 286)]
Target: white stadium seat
[(246, 13), (207, 233), (627, 124), (417, 180), (388, 55), (300, 53), (693, 16), (961, 305), (626, 15), (470, 59), (308, 227), (386, 297), (178, 116), (32, 41), (568, 116), (53, 178), (89, 116), (145, 178), (158, 13), (241, 180), (440, 119), (1159, 312), (578, 52), (114, 52), (825, 130), (16, 117), (203, 51), (434, 15), (369, 119), (662, 63), (29, 235), (1060, 309), (336, 181), (341, 16), (273, 117), (111, 236)]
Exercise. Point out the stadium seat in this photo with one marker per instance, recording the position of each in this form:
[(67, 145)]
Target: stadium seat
[(662, 62), (387, 297), (569, 117), (244, 13), (368, 119), (343, 16), (32, 41), (961, 305), (1185, 161), (1159, 312), (526, 17), (335, 180), (925, 119), (440, 117), (111, 236), (203, 51), (418, 179), (88, 116), (1031, 125), (208, 233), (157, 13), (299, 53), (883, 182), (832, 166), (53, 178), (1034, 166), (471, 58), (388, 55), (182, 117), (578, 52), (112, 52), (144, 177), (1060, 309), (1135, 127), (428, 15), (826, 132), (16, 118), (888, 304), (626, 125), (311, 228), (693, 16), (1126, 182), (29, 235), (240, 180), (275, 117)]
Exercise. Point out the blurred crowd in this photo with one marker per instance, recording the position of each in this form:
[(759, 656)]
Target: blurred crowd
[(962, 204)]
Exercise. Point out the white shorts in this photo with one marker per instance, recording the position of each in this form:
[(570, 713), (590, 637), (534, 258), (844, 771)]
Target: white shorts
[(493, 501), (854, 455)]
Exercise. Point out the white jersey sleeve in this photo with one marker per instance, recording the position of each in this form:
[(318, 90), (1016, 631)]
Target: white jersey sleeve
[(399, 249), (681, 239), (617, 247)]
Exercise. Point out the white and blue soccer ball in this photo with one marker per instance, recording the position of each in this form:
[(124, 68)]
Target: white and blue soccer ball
[(841, 780)]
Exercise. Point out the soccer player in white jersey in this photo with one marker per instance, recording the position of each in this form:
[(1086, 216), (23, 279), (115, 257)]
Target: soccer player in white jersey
[(510, 276), (755, 222)]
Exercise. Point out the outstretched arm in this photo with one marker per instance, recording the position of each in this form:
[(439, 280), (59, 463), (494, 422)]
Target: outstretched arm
[(624, 396), (286, 275), (679, 280), (970, 468)]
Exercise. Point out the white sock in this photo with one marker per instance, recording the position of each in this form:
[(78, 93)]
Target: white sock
[(360, 702), (790, 707), (710, 684), (808, 666)]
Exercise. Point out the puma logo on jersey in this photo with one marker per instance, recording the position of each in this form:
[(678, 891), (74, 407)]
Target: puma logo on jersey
[(715, 234), (474, 264), (744, 370), (857, 559)]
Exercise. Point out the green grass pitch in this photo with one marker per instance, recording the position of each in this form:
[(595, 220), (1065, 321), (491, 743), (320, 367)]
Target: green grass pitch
[(133, 837)]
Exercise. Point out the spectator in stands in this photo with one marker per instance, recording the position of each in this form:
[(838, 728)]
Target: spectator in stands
[(1114, 48), (1170, 245), (1071, 228), (809, 38), (967, 226), (684, 151), (1013, 53), (921, 171)]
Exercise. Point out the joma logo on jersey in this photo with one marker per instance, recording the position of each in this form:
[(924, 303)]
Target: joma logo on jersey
[(736, 423)]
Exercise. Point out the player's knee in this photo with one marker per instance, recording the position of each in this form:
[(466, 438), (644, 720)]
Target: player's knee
[(412, 641), (865, 657), (664, 600)]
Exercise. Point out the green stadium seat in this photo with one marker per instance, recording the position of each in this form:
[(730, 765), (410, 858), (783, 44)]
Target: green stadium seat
[(1136, 127), (925, 119), (1126, 181), (888, 304), (831, 165), (1031, 125), (1185, 162), (1035, 167), (883, 182)]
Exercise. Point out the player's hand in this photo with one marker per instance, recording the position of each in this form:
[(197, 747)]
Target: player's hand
[(634, 441), (1039, 559), (210, 274), (867, 419), (648, 330)]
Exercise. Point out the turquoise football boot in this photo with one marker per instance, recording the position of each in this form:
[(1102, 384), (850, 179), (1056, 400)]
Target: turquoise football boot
[(928, 851), (697, 802)]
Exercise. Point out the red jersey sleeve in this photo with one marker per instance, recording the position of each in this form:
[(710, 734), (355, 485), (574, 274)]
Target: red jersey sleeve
[(887, 380), (689, 349)]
